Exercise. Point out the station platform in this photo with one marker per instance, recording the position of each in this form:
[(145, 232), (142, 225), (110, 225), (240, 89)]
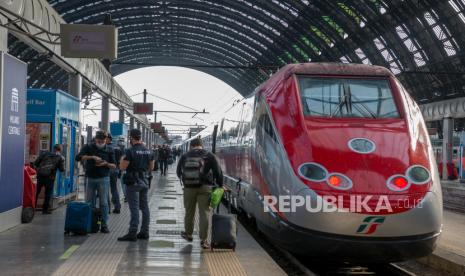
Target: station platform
[(41, 248), (449, 255), (453, 193)]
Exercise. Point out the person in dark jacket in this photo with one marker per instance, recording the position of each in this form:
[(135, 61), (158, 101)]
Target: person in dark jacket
[(138, 163), (47, 165), (100, 159), (163, 159), (198, 193), (115, 197)]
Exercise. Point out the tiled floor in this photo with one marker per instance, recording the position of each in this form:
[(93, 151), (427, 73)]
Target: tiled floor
[(36, 248)]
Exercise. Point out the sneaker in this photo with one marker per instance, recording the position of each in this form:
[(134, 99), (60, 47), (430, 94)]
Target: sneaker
[(116, 211), (128, 237), (105, 230), (204, 245), (143, 236), (46, 212), (186, 237)]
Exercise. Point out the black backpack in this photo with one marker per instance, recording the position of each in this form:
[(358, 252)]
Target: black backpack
[(47, 165), (193, 171)]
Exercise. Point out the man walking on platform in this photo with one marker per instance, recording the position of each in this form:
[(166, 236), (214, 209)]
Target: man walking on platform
[(100, 159), (47, 165), (198, 170), (138, 163), (163, 159)]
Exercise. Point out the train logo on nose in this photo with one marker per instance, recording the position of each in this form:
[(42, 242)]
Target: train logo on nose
[(370, 225)]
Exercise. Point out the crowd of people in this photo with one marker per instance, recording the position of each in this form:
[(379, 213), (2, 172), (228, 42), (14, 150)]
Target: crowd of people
[(105, 163)]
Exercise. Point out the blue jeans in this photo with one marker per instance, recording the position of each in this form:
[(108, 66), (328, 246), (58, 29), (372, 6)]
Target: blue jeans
[(102, 187), (137, 199)]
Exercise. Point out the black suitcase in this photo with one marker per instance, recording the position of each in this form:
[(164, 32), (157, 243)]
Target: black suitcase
[(224, 230)]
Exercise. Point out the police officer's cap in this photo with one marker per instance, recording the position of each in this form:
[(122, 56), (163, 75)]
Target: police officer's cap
[(135, 133)]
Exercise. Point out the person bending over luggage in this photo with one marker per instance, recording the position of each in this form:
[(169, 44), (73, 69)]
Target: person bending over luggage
[(115, 198), (138, 163), (198, 170), (47, 165), (100, 159)]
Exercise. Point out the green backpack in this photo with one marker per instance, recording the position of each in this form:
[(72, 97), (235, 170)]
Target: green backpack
[(216, 196)]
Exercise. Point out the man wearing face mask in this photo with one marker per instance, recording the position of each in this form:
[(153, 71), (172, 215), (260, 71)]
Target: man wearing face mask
[(100, 159)]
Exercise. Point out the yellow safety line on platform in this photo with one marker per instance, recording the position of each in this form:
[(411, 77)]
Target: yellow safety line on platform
[(223, 263), (69, 252)]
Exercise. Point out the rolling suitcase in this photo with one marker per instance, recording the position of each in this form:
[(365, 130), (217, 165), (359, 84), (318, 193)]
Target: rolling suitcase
[(78, 218), (224, 230)]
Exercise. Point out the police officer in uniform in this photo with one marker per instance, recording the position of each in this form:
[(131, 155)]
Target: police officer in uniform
[(138, 163)]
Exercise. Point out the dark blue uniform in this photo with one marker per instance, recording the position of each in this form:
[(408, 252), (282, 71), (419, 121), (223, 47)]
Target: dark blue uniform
[(136, 180)]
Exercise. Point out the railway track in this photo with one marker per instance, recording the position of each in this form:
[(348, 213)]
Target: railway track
[(294, 265)]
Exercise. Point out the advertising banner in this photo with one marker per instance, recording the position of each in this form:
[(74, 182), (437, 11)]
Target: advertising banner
[(12, 131)]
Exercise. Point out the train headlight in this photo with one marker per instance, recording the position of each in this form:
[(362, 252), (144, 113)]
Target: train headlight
[(398, 183), (313, 172), (339, 181), (418, 174)]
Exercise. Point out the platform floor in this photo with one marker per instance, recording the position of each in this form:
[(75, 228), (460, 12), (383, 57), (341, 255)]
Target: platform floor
[(40, 248), (453, 236)]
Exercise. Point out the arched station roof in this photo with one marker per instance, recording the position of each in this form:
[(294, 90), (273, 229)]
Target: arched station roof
[(421, 41)]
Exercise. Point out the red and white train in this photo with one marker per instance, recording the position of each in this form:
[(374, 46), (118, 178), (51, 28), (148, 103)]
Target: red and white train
[(344, 130)]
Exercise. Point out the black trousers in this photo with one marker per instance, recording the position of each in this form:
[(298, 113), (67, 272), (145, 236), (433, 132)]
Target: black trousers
[(163, 166), (47, 182)]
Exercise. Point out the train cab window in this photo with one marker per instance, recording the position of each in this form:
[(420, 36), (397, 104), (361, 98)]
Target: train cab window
[(352, 98), (264, 123)]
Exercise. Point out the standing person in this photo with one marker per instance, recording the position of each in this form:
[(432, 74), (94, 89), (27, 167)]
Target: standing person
[(163, 158), (115, 198), (138, 163), (198, 170), (100, 159), (47, 165)]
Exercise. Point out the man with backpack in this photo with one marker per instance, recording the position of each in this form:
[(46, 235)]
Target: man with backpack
[(47, 165), (138, 163), (115, 198), (100, 159), (198, 170)]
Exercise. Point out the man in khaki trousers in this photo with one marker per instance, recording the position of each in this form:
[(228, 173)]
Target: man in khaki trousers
[(199, 170)]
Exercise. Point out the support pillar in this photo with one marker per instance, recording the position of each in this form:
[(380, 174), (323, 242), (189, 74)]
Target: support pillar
[(75, 85), (447, 145), (121, 116), (3, 36), (139, 126), (105, 113), (89, 134), (131, 123)]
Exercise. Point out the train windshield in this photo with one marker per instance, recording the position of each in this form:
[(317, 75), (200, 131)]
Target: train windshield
[(349, 98)]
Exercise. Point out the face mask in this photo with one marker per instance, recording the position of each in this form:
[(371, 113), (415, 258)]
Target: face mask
[(100, 146)]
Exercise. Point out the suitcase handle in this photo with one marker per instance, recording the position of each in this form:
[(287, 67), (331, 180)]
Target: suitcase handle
[(228, 199)]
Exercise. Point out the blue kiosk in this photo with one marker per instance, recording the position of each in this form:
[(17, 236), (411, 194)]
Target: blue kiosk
[(119, 131), (53, 118)]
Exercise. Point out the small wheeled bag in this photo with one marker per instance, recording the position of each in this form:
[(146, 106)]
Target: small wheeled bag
[(78, 218), (224, 230)]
